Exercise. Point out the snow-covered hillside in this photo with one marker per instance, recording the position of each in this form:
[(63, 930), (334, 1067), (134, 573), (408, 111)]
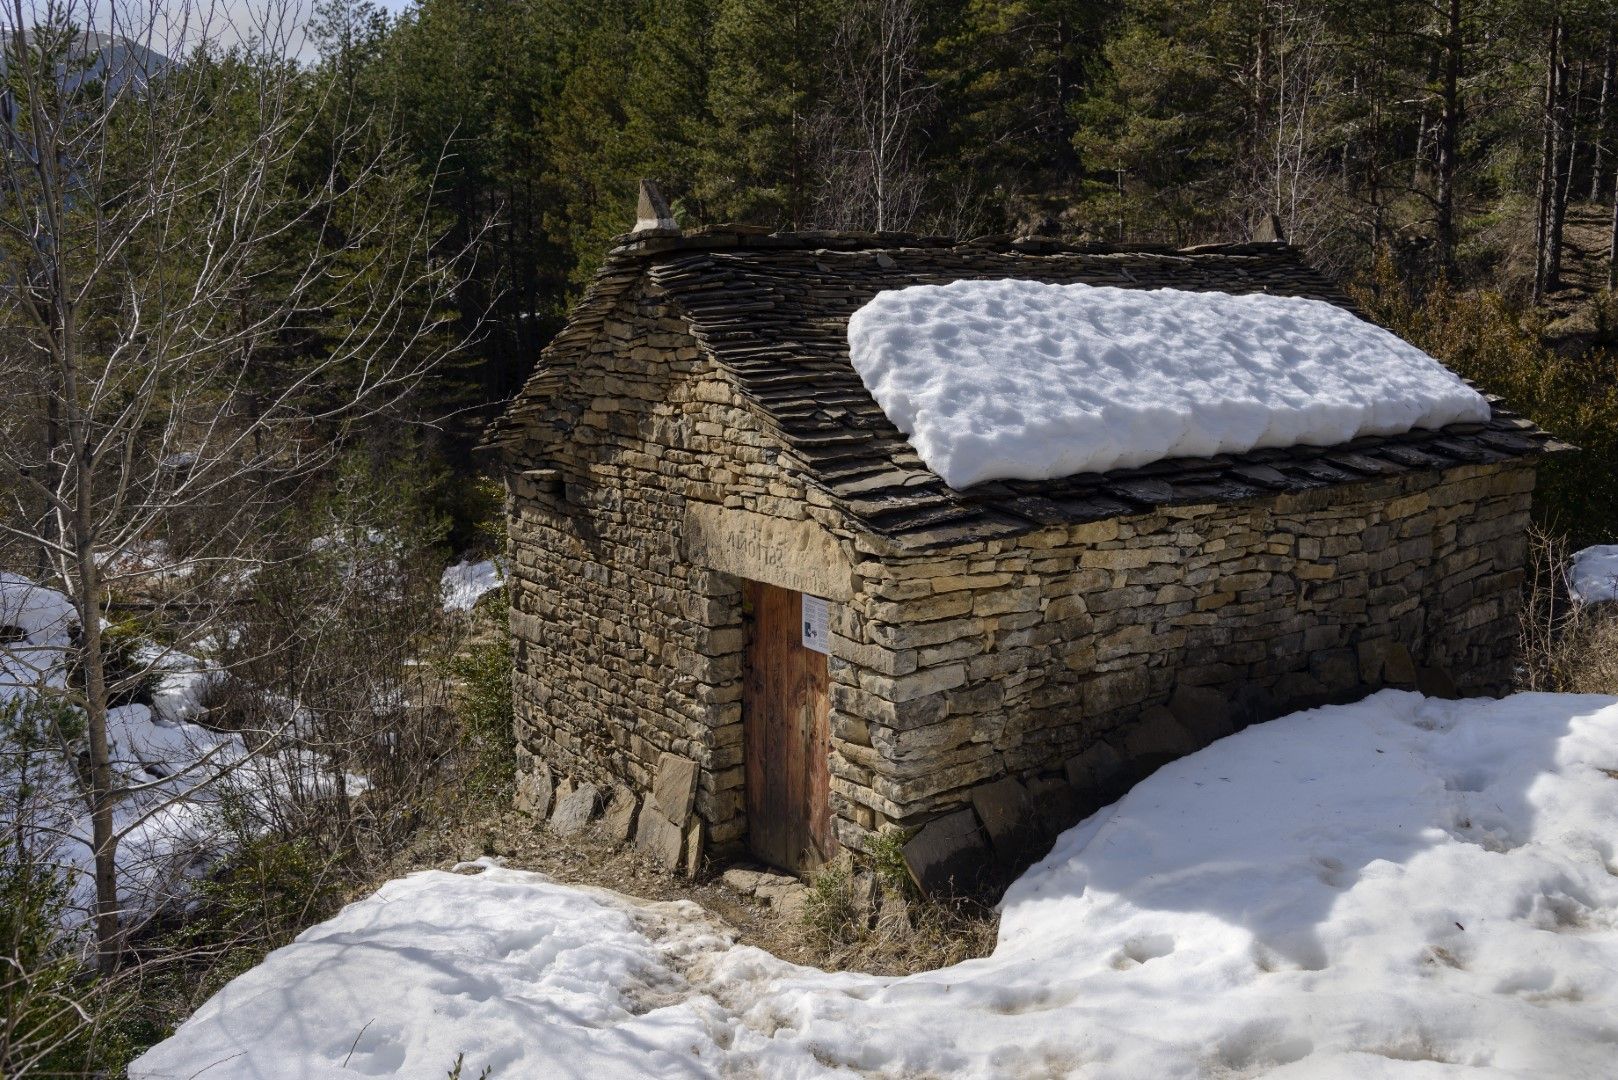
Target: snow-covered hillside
[(177, 771), (1027, 380), (1401, 887), (465, 583)]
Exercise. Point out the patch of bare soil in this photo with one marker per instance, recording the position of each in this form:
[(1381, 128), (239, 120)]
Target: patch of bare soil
[(835, 928), (1579, 314)]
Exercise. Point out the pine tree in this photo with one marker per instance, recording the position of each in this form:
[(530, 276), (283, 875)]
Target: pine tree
[(766, 78)]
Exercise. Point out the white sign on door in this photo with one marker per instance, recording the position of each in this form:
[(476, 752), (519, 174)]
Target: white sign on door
[(815, 611)]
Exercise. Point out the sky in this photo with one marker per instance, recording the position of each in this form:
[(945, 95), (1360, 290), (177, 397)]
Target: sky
[(178, 24)]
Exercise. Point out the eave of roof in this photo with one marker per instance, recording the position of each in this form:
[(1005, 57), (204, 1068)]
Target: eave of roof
[(772, 309)]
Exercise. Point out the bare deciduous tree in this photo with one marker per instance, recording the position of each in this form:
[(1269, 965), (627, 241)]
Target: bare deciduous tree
[(865, 132), (1292, 176), (206, 281)]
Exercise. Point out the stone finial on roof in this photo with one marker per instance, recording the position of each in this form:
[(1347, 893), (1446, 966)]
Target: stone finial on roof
[(653, 215), (1269, 231)]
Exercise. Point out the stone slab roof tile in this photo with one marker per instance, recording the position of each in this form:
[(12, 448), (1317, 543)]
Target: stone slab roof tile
[(773, 310)]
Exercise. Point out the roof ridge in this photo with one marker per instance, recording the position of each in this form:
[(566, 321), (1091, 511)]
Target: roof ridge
[(632, 247)]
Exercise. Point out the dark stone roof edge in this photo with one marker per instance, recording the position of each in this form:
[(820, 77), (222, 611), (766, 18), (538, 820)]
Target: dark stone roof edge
[(922, 513), (632, 246), (983, 513)]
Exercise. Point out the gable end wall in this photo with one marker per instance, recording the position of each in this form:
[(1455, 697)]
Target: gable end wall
[(625, 647)]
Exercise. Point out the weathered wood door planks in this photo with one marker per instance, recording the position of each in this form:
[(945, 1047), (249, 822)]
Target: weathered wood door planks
[(784, 709)]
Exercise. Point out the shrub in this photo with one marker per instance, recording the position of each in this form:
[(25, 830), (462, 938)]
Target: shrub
[(53, 1011), (830, 912), (886, 851), (482, 703), (129, 679), (1565, 647), (271, 889)]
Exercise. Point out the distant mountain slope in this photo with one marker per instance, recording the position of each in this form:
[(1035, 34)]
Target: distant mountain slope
[(97, 56)]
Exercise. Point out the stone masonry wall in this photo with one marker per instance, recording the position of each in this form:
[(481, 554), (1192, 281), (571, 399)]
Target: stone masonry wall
[(624, 650), (1078, 658)]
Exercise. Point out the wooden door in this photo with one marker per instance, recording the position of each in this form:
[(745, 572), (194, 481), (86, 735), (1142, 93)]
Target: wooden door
[(784, 722)]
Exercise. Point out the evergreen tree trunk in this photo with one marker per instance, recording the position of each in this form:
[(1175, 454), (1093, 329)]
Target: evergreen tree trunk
[(1547, 164), (1449, 124), (1599, 138), (1063, 152)]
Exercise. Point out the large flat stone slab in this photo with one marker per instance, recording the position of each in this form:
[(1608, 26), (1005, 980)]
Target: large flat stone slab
[(617, 822), (1007, 815), (1203, 712), (575, 809), (534, 790), (1398, 667), (1097, 775), (1056, 809), (797, 555), (949, 854), (1436, 682), (693, 848), (660, 838), (675, 786), (1153, 739), (740, 880)]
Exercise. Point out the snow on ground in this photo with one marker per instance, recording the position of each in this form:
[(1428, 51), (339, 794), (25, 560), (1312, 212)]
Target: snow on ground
[(1592, 577), (173, 829), (36, 627), (1400, 887), (1026, 380), (463, 584)]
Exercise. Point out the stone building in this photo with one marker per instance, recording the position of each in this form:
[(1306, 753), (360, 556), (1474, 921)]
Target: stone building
[(747, 617)]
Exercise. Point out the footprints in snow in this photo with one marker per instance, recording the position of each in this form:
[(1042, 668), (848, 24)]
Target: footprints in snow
[(1261, 1044), (1476, 818), (1333, 873), (1288, 952), (1141, 949), (1468, 781)]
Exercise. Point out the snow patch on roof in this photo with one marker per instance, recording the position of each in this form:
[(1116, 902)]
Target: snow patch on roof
[(1027, 380)]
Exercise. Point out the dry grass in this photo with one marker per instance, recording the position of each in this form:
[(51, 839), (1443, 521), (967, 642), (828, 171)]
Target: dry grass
[(898, 934), (872, 919), (1565, 647)]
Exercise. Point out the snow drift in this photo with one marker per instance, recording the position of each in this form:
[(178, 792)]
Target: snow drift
[(1026, 380), (170, 821), (36, 627), (461, 586), (1400, 887), (1593, 576)]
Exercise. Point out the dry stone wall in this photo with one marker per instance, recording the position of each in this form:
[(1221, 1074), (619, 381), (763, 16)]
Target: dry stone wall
[(1078, 658), (626, 651)]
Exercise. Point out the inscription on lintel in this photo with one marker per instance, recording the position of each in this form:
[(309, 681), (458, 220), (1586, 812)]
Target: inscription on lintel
[(797, 555)]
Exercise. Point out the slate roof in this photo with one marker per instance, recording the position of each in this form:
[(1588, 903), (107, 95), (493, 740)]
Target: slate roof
[(773, 311)]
